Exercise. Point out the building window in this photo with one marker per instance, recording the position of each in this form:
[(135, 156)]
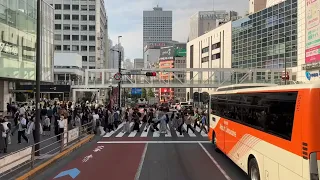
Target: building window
[(85, 58), (92, 48), (92, 17), (66, 16), (92, 67), (215, 46), (92, 27), (57, 47), (92, 58), (84, 37), (66, 6), (66, 27), (75, 48), (84, 17), (92, 8), (57, 16), (66, 47), (84, 48), (57, 26), (75, 27), (75, 17), (204, 50), (57, 6), (215, 56), (205, 59), (75, 7), (84, 7), (92, 38), (66, 37), (84, 27), (57, 37), (75, 37)]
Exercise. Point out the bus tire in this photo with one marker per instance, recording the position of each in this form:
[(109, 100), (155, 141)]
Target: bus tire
[(253, 170), (214, 142)]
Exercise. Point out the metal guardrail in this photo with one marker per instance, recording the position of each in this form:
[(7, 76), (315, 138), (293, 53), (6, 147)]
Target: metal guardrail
[(25, 159)]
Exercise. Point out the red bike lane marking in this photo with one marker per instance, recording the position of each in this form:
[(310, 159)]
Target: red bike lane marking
[(114, 161)]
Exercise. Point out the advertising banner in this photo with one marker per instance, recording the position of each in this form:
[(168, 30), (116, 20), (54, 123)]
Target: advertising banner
[(73, 134), (312, 31), (136, 91), (167, 53)]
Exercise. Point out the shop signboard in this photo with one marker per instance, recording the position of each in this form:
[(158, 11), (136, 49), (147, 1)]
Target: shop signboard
[(312, 31)]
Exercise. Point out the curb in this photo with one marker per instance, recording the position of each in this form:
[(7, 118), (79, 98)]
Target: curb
[(54, 159)]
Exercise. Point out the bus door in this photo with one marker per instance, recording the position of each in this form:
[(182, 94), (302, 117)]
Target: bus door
[(220, 107)]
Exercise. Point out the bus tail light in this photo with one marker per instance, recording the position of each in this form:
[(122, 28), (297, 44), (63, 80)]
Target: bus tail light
[(314, 169)]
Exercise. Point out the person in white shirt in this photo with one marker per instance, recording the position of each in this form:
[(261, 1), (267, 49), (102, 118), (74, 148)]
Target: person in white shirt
[(95, 117), (22, 125), (22, 110)]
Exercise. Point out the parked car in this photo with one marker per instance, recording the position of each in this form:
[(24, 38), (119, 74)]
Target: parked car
[(164, 107)]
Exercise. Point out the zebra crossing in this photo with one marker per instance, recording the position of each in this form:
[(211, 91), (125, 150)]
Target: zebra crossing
[(156, 134)]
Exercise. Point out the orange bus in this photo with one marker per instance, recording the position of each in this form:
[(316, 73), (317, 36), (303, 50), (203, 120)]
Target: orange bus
[(271, 133)]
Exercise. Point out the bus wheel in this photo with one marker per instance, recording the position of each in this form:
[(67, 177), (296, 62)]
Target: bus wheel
[(214, 141), (254, 173)]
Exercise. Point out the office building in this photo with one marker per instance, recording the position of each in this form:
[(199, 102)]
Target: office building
[(114, 56), (80, 26), (205, 21), (151, 53), (267, 39), (273, 2), (157, 26), (138, 63), (257, 5), (211, 50), (18, 46)]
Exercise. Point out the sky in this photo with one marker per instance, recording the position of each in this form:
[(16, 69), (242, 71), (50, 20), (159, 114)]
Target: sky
[(125, 18)]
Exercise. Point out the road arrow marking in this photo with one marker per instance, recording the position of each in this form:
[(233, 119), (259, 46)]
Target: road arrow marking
[(72, 173)]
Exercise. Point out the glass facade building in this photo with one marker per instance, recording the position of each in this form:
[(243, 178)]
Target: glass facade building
[(266, 39), (18, 40)]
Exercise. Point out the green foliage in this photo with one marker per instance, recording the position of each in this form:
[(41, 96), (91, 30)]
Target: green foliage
[(150, 93), (144, 93)]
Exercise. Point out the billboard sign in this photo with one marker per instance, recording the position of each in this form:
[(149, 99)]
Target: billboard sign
[(180, 50), (136, 91), (210, 15), (167, 53), (312, 31), (156, 45)]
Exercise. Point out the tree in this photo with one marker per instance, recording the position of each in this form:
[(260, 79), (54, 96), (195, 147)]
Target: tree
[(150, 93), (144, 93)]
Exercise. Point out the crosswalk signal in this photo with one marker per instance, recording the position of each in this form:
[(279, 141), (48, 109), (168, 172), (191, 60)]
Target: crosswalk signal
[(151, 74)]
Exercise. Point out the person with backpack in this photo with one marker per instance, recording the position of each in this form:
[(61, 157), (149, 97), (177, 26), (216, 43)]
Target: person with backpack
[(22, 126)]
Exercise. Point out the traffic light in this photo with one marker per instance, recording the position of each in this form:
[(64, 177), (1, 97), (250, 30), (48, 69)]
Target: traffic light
[(196, 96), (151, 74)]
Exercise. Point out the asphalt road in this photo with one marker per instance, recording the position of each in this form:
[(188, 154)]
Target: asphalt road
[(144, 159)]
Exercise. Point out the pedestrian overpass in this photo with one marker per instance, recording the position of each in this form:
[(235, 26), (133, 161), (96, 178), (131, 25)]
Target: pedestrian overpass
[(176, 78)]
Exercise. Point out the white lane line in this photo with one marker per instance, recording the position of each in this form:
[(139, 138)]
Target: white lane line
[(145, 133), (156, 133), (133, 133), (191, 134), (112, 132), (203, 134), (168, 134), (137, 176), (215, 162), (152, 142)]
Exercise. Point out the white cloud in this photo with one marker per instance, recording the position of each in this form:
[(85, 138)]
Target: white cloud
[(125, 18)]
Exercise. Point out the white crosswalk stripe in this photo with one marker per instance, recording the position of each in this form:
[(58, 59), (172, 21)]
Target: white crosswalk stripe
[(191, 134), (112, 132), (171, 132)]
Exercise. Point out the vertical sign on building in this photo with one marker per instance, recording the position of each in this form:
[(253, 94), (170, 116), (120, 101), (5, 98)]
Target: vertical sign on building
[(312, 31)]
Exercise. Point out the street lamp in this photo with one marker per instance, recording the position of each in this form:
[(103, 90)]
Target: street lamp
[(119, 61)]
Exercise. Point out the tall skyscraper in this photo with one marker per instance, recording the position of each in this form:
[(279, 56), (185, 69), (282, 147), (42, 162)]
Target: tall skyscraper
[(80, 26), (157, 26)]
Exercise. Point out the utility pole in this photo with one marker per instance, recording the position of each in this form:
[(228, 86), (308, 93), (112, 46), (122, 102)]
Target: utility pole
[(38, 76), (119, 83)]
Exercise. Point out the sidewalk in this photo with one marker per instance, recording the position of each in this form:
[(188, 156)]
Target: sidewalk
[(14, 146)]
